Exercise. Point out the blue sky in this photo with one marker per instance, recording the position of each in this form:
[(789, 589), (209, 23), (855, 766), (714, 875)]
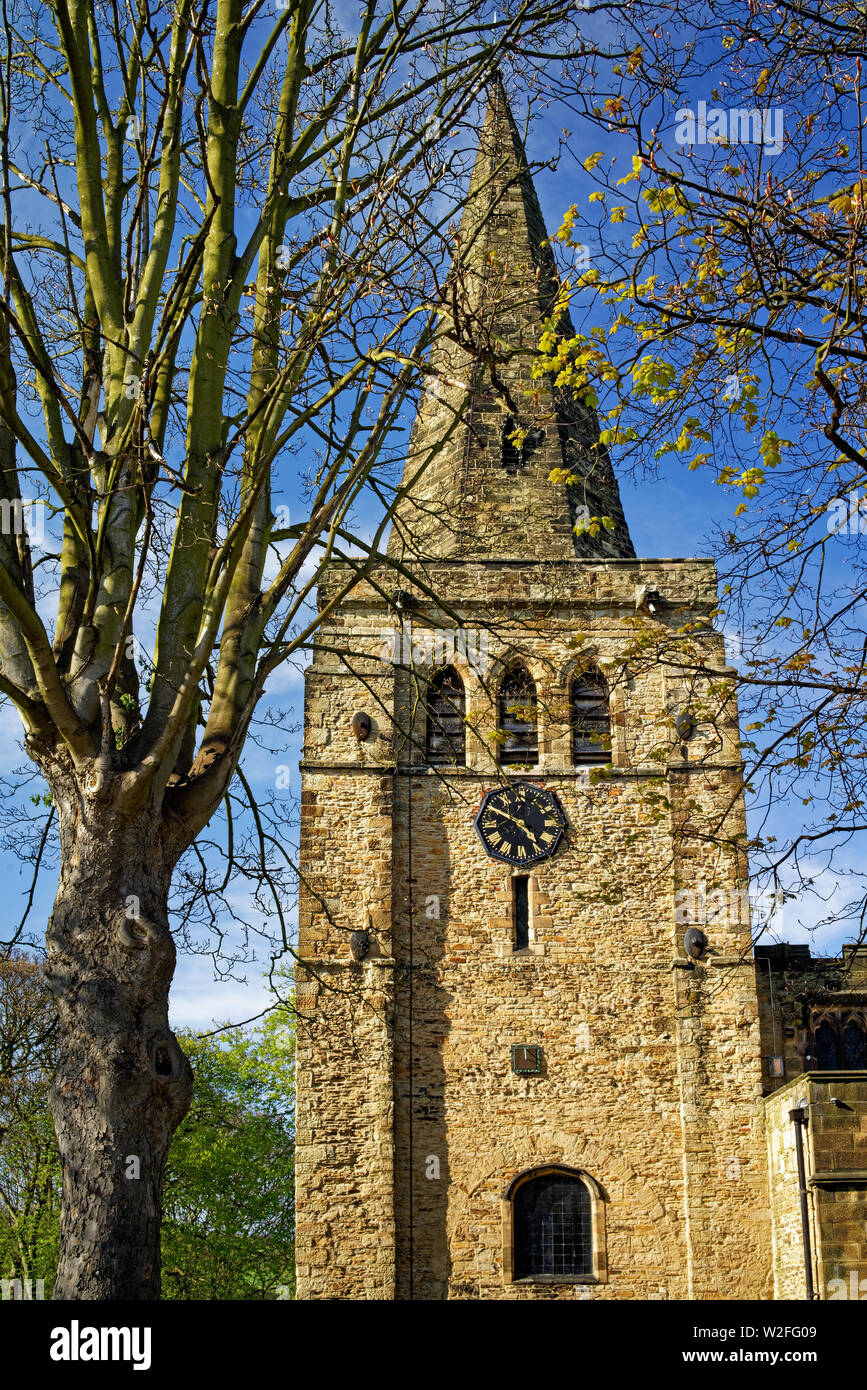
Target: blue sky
[(672, 514)]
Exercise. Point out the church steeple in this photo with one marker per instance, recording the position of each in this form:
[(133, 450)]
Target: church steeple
[(476, 483)]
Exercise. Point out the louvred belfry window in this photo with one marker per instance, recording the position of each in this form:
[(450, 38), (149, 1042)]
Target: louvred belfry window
[(513, 454), (517, 451), (518, 718), (445, 737), (591, 721)]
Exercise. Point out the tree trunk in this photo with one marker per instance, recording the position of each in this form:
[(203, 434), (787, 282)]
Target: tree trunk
[(123, 1083)]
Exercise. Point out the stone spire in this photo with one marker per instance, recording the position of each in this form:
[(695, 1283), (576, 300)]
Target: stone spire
[(469, 492)]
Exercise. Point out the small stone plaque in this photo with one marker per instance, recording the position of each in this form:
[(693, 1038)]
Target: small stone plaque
[(526, 1059)]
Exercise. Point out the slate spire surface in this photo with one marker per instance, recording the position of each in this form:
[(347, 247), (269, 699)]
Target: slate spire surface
[(468, 490)]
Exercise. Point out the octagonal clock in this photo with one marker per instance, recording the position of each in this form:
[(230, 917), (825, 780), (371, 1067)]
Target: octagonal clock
[(520, 823)]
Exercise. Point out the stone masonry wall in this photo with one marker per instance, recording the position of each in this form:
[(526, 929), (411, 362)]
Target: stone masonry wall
[(790, 983), (411, 1123), (835, 1157)]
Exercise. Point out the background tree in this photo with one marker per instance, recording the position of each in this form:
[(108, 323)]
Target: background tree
[(220, 266), (718, 266), (229, 1224), (29, 1161)]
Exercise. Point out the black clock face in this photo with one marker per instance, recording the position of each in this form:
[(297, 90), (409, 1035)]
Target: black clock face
[(520, 824)]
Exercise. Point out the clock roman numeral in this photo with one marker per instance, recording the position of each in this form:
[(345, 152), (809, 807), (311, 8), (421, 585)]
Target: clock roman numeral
[(521, 824)]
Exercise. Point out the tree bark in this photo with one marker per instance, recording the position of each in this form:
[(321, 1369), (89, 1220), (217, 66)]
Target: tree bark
[(123, 1083)]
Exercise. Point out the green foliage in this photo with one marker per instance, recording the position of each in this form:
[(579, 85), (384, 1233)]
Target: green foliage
[(29, 1161), (717, 311), (229, 1226)]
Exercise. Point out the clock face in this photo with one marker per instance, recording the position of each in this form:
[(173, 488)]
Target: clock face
[(520, 824)]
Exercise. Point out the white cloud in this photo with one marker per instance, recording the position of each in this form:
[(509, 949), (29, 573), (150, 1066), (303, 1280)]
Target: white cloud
[(815, 915), (200, 1002), (12, 753)]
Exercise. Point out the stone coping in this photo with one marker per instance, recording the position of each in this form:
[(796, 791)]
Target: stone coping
[(839, 1177)]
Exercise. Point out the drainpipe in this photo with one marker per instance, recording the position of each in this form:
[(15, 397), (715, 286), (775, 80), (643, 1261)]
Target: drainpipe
[(800, 1119)]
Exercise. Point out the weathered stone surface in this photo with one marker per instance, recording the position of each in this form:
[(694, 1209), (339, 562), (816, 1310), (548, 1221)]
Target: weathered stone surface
[(411, 1123), (835, 1157), (651, 1081)]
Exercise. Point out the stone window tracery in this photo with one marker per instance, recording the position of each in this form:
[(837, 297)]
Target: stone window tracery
[(837, 1039)]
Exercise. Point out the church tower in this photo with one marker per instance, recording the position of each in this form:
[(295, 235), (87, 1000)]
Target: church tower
[(528, 1066)]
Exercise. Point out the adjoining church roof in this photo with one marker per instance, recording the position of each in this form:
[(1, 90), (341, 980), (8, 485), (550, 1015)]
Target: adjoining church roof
[(469, 490)]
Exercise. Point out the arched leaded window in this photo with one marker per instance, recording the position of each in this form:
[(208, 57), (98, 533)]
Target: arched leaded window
[(853, 1047), (825, 1049), (518, 718), (445, 733), (552, 1227), (839, 1040), (591, 721)]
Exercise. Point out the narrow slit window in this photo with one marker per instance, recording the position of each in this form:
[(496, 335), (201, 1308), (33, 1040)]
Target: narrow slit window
[(521, 900)]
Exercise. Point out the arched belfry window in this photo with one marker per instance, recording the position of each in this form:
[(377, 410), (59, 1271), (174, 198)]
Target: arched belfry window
[(445, 707), (552, 1227), (518, 718), (591, 721)]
